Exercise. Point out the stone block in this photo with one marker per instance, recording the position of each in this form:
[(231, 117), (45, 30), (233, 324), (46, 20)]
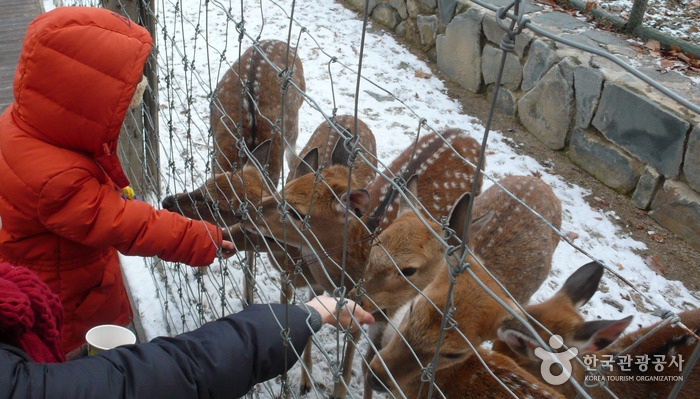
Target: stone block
[(677, 208), (547, 111), (360, 5), (494, 33), (588, 84), (427, 27), (491, 62), (605, 161), (417, 7), (432, 4), (446, 10), (386, 15), (459, 50), (642, 128), (647, 186), (506, 101), (691, 165), (400, 7), (539, 61)]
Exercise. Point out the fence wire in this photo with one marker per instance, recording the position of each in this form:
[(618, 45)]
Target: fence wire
[(196, 43)]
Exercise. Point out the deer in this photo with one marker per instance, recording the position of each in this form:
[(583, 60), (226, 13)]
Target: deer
[(509, 240), (490, 375), (244, 112), (330, 218), (595, 342)]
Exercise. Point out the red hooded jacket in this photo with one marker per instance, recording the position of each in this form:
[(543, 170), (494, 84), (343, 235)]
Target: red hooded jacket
[(62, 216)]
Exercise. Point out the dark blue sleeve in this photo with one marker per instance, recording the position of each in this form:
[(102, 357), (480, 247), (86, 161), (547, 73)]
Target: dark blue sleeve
[(221, 359)]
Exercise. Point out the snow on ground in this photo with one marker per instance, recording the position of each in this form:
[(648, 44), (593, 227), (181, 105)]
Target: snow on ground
[(197, 38)]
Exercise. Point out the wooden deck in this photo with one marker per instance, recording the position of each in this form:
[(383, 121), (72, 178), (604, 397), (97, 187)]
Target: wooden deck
[(14, 19)]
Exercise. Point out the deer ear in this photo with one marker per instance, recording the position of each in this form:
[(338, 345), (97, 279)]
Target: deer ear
[(523, 345), (582, 284), (412, 194), (458, 220), (593, 336), (261, 153), (359, 202), (309, 164), (340, 154)]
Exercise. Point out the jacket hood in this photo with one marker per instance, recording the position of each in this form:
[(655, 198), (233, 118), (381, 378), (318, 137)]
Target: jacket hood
[(76, 75)]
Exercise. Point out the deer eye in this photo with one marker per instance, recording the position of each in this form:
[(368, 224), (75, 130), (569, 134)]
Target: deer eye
[(295, 214), (409, 271)]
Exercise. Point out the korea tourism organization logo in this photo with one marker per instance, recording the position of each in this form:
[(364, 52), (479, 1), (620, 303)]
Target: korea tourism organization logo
[(557, 367)]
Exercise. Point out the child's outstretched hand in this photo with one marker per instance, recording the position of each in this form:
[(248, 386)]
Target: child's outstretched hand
[(227, 249), (326, 306)]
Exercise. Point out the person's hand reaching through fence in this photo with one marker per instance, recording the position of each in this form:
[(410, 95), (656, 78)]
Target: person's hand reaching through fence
[(326, 306), (227, 249)]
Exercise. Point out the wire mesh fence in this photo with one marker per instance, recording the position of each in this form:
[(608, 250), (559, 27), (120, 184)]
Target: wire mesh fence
[(454, 250)]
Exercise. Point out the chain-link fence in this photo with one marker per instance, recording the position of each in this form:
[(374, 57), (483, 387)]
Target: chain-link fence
[(349, 219)]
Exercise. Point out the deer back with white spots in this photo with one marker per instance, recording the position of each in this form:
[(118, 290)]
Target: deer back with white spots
[(443, 175), (254, 102)]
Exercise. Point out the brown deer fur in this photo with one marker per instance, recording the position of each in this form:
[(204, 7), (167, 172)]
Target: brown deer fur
[(248, 97), (516, 244), (325, 138), (560, 315)]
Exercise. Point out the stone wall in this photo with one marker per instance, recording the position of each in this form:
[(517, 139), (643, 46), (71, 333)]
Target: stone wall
[(609, 123)]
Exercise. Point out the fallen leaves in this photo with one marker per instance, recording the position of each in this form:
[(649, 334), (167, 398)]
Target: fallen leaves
[(655, 264), (571, 236), (423, 75)]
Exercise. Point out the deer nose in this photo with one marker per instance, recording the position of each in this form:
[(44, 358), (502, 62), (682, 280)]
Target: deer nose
[(374, 383), (169, 202)]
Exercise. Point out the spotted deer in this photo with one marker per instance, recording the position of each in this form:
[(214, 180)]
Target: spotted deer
[(316, 214), (513, 243), (486, 376), (597, 341), (437, 159), (247, 106), (252, 102), (325, 138)]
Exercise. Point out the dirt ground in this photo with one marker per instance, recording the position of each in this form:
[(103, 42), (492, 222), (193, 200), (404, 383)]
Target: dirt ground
[(668, 252)]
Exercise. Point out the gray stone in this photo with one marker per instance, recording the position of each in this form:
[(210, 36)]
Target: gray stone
[(386, 15), (577, 39), (677, 208), (588, 84), (490, 65), (446, 10), (432, 4), (691, 166), (548, 109), (642, 128), (506, 101), (417, 7), (611, 42), (605, 161), (494, 33), (400, 7), (647, 186), (360, 5), (567, 67), (539, 61), (559, 20), (459, 50), (427, 27)]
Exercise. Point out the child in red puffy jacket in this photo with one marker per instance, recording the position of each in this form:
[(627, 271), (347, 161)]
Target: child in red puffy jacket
[(61, 193)]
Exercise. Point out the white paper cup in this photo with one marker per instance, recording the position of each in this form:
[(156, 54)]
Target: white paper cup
[(108, 336)]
